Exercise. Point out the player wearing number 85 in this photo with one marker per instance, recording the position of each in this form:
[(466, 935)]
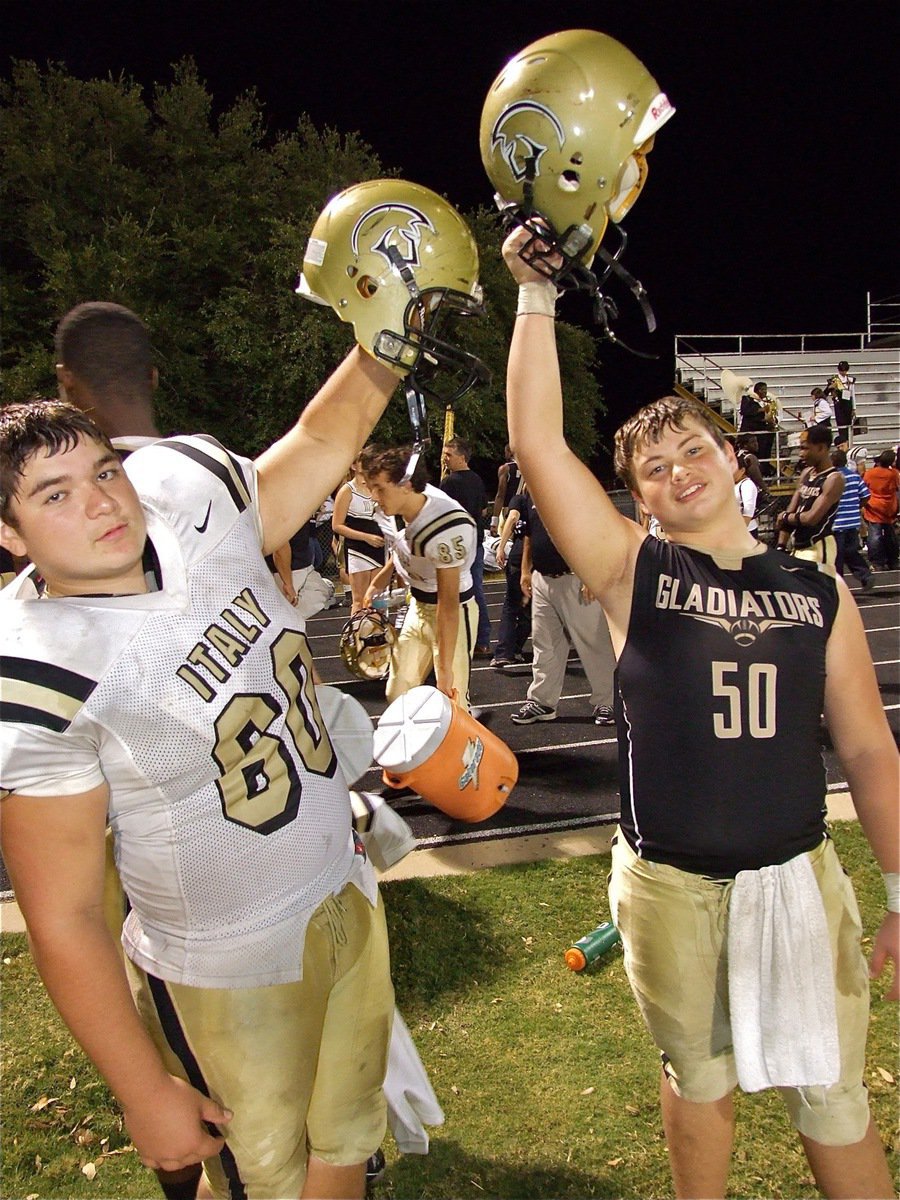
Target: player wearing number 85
[(431, 541), (155, 677), (740, 931)]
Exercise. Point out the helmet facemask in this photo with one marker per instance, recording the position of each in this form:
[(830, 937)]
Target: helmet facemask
[(439, 368), (398, 262), (366, 644)]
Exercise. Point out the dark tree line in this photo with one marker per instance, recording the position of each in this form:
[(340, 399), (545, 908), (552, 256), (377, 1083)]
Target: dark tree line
[(198, 222)]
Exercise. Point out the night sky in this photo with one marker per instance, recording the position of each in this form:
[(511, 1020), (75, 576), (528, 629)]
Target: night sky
[(772, 200)]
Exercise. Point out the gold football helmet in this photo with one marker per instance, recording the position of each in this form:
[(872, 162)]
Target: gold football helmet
[(398, 262), (565, 133), (366, 643)]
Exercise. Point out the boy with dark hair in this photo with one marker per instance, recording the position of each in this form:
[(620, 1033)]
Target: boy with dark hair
[(190, 724), (809, 516), (431, 539), (104, 364)]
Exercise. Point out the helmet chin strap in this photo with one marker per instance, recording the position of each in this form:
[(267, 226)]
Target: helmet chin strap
[(415, 406), (582, 278), (605, 310)]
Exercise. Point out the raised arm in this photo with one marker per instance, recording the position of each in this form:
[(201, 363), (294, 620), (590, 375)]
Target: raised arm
[(865, 746), (594, 538), (314, 456), (54, 850)]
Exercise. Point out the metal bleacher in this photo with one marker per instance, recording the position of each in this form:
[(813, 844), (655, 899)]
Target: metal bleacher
[(792, 364)]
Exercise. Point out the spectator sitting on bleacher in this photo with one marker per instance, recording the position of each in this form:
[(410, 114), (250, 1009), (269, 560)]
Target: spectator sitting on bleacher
[(820, 411)]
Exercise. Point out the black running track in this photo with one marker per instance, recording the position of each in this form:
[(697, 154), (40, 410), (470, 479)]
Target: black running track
[(567, 767)]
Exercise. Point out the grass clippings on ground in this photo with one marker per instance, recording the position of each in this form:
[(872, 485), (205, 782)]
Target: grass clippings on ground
[(547, 1078)]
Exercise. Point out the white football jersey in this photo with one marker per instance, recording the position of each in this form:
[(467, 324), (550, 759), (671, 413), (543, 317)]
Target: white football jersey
[(441, 535), (196, 704)]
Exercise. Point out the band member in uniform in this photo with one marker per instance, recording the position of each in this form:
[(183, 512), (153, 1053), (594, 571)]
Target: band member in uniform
[(810, 514), (432, 541), (723, 797), (353, 519), (256, 946), (842, 390), (757, 417)]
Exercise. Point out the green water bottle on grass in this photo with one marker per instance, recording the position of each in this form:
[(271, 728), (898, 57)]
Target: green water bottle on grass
[(589, 948)]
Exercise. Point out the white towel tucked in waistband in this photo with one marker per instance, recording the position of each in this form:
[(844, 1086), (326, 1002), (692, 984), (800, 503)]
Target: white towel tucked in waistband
[(781, 980)]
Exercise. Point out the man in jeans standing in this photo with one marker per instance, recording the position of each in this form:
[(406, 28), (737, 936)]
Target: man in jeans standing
[(847, 520), (563, 612)]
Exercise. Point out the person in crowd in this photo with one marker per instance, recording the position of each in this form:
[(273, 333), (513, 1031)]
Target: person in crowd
[(820, 411), (880, 512), (432, 549), (296, 575), (841, 390), (465, 486), (353, 520), (746, 493), (515, 617), (807, 521), (563, 614), (509, 481), (747, 449), (847, 523), (104, 366), (723, 797), (756, 418)]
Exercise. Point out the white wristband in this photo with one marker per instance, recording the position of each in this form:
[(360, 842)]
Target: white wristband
[(892, 887), (538, 298)]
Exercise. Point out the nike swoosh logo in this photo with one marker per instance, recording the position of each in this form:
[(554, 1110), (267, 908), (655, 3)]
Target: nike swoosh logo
[(202, 528)]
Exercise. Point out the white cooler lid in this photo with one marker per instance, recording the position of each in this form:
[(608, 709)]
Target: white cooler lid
[(411, 729)]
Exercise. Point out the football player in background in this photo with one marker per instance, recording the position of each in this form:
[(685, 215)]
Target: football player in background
[(158, 680), (432, 548), (728, 653)]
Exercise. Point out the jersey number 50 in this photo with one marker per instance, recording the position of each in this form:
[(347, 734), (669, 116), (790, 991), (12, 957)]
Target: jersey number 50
[(259, 783), (756, 698)]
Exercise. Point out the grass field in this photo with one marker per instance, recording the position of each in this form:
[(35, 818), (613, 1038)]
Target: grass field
[(547, 1078)]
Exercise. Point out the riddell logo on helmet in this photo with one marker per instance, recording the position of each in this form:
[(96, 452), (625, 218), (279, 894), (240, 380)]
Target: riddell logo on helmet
[(659, 110), (399, 225), (517, 148)]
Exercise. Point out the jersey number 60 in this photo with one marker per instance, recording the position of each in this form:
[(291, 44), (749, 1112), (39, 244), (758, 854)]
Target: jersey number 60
[(259, 783)]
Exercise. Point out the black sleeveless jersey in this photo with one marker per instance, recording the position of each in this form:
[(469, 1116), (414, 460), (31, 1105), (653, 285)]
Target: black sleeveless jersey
[(810, 490), (719, 693)]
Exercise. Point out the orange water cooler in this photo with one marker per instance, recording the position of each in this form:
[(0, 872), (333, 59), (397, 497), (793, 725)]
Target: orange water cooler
[(426, 742)]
